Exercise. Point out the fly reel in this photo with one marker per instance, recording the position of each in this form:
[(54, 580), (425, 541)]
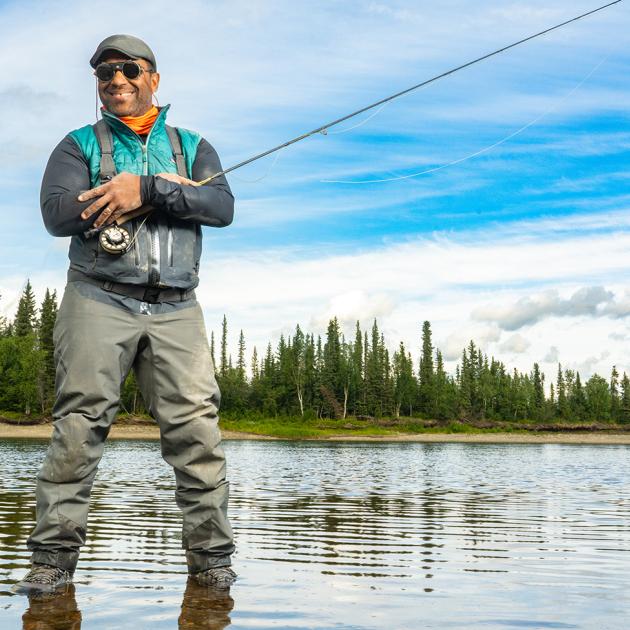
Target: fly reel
[(114, 239)]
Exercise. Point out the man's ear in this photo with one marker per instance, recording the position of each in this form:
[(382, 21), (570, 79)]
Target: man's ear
[(155, 81)]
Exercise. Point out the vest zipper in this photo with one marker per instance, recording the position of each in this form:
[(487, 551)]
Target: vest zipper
[(169, 243), (154, 255), (153, 230)]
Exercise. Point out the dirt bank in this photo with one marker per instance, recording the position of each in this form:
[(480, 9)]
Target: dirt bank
[(151, 433)]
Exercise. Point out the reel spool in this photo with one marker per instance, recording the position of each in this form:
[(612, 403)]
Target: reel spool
[(114, 239)]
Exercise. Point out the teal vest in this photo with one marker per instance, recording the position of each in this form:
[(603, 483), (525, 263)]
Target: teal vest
[(131, 155), (166, 250)]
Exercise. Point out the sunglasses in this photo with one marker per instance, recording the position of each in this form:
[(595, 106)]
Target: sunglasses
[(130, 69)]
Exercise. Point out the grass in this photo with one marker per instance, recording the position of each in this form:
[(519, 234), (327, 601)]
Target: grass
[(303, 428)]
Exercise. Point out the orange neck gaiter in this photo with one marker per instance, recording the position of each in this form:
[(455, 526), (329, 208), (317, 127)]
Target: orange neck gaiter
[(141, 124)]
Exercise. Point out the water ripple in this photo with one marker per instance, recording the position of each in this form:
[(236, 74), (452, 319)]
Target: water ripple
[(358, 535)]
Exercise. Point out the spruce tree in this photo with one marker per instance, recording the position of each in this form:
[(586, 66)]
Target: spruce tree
[(624, 402), (427, 374), (255, 366), (577, 401), (212, 356), (224, 364), (357, 373), (26, 316), (47, 318), (539, 393), (562, 409), (615, 403), (404, 382), (332, 385), (240, 365)]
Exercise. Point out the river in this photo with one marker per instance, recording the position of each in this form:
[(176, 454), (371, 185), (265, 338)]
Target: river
[(345, 535)]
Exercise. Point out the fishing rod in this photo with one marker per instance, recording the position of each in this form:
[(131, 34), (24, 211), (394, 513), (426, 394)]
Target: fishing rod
[(327, 126), (324, 128)]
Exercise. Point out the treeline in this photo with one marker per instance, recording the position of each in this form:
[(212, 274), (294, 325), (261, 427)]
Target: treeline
[(333, 377)]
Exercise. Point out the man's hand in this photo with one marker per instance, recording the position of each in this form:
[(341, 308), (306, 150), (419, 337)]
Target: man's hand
[(113, 199), (178, 179)]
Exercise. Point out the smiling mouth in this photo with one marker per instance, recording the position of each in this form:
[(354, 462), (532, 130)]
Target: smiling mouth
[(120, 94)]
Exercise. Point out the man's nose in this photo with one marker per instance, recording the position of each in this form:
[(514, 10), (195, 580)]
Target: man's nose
[(119, 78)]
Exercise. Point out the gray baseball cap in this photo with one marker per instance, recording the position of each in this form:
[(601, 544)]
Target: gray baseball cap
[(127, 45)]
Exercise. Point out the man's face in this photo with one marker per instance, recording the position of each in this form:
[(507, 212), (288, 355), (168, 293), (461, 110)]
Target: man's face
[(127, 97)]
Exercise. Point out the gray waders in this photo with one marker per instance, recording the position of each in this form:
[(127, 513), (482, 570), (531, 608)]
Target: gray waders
[(96, 345)]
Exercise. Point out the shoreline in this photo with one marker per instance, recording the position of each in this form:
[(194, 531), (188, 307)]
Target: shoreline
[(131, 432)]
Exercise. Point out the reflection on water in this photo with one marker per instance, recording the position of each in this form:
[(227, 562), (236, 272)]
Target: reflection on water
[(359, 535)]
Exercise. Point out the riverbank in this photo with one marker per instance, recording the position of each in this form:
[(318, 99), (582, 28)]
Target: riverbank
[(147, 432)]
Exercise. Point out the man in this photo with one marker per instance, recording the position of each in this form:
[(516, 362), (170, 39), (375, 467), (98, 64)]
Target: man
[(132, 306)]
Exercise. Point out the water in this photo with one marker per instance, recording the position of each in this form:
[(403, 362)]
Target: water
[(354, 535)]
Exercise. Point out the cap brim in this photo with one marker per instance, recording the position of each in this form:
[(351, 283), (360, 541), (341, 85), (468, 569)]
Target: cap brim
[(98, 55)]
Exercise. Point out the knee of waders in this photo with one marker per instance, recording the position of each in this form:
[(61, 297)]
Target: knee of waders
[(75, 450)]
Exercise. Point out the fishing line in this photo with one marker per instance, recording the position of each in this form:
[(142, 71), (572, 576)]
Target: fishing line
[(258, 179), (324, 128), (119, 246), (360, 124), (480, 151), (325, 132)]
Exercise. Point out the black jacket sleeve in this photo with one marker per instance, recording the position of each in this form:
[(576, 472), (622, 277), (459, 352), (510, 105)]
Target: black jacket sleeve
[(212, 204), (67, 174)]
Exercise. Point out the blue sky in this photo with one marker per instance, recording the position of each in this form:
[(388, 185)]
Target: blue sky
[(534, 232)]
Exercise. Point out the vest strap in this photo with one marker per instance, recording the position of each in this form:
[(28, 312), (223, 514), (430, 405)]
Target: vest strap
[(176, 145), (106, 143)]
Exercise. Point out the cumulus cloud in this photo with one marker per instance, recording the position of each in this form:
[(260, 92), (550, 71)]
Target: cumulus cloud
[(618, 308), (516, 344), (552, 355), (453, 345), (586, 367), (353, 306), (594, 301)]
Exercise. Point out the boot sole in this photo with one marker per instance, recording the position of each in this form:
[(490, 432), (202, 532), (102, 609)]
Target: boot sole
[(29, 588)]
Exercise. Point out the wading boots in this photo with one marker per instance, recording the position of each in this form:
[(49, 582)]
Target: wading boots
[(220, 578), (43, 578)]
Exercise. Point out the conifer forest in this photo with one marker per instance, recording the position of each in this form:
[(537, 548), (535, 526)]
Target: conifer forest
[(329, 376)]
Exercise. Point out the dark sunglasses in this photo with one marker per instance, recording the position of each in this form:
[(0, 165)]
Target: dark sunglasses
[(130, 69)]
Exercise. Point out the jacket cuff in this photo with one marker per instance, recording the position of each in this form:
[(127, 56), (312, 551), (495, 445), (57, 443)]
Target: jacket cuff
[(147, 184)]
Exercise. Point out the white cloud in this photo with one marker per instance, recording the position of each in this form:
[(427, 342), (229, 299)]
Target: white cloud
[(594, 301), (353, 306), (455, 342), (516, 344), (553, 356)]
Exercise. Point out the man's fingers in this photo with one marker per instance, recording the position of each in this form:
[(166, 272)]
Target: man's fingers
[(105, 216), (171, 177), (112, 217), (96, 206), (178, 179), (95, 192)]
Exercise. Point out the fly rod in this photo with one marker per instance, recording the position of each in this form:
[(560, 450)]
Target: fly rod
[(119, 233), (327, 126)]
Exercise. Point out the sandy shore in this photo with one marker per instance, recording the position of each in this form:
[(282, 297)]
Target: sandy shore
[(151, 433)]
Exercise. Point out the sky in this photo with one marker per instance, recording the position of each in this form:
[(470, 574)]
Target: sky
[(522, 248)]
